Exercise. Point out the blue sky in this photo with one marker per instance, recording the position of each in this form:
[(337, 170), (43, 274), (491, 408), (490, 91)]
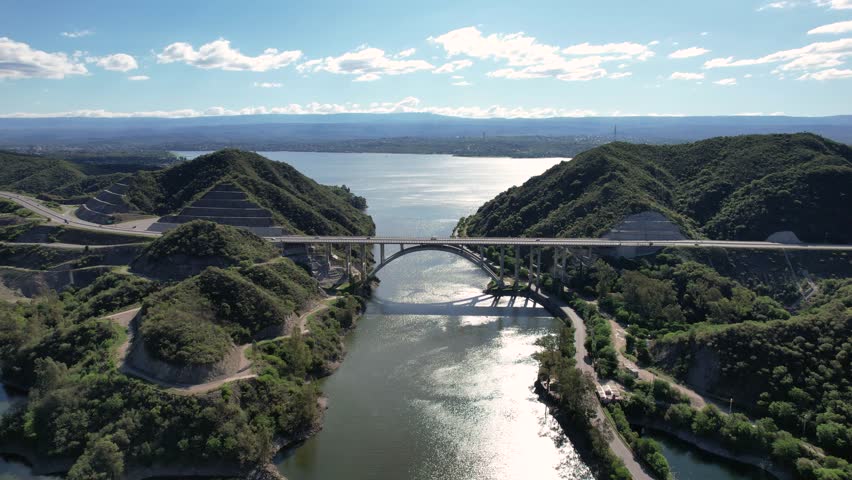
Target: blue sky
[(466, 58)]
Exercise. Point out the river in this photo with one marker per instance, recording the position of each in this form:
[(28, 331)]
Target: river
[(429, 391)]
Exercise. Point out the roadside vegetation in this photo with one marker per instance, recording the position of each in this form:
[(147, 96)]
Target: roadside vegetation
[(789, 371)]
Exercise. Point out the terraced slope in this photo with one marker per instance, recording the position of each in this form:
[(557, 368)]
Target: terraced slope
[(103, 207), (244, 189), (227, 204)]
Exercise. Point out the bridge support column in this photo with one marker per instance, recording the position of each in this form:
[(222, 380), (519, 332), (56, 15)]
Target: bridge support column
[(502, 260), (481, 256), (517, 264), (531, 271), (563, 265), (401, 247), (538, 269), (364, 262), (382, 250), (349, 262), (328, 256)]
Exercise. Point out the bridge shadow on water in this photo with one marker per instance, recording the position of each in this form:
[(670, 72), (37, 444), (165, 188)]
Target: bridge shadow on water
[(484, 305)]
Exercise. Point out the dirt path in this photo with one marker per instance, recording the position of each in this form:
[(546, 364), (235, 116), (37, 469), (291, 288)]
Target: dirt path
[(697, 400), (244, 372)]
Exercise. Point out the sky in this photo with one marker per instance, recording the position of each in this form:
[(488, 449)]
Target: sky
[(466, 58)]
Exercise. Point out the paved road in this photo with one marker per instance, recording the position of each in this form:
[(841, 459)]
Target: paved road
[(70, 220), (616, 443), (554, 242)]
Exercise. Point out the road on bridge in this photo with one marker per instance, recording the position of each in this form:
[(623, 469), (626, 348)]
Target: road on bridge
[(62, 219)]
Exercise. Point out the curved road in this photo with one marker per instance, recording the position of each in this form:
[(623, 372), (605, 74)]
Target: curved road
[(66, 219)]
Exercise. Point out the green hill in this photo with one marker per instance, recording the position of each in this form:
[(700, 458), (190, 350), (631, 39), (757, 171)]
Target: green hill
[(49, 178), (745, 187), (194, 246), (297, 203), (197, 320)]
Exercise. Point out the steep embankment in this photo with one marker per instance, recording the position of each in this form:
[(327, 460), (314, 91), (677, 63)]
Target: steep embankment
[(728, 188), (297, 203)]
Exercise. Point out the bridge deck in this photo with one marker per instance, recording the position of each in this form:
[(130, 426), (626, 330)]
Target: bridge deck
[(555, 242)]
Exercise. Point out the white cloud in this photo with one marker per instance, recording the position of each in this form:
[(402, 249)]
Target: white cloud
[(462, 83), (727, 82), (406, 53), (747, 75), (618, 75), (218, 54), (630, 50), (525, 57), (779, 5), (77, 33), (704, 34), (688, 52), (686, 76), (835, 4), (838, 27), (829, 74), (268, 84), (19, 60), (457, 77), (138, 78), (368, 63), (818, 55), (117, 62), (408, 104), (453, 66), (654, 42)]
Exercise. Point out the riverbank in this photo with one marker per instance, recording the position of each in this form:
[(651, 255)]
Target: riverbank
[(709, 446)]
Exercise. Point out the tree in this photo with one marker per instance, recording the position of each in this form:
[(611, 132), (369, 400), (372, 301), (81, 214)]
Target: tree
[(101, 461)]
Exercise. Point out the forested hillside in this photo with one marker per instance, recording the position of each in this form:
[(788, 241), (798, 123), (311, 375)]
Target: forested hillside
[(744, 187), (48, 177), (298, 203)]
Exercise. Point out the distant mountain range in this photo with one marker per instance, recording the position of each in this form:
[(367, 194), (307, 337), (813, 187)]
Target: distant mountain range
[(359, 132)]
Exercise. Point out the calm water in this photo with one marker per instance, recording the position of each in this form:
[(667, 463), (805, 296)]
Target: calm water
[(11, 468), (689, 463)]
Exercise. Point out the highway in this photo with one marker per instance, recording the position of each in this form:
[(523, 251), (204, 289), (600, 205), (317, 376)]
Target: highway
[(61, 219), (556, 242)]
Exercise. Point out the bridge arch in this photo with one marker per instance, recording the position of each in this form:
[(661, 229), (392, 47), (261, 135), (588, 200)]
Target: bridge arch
[(455, 250)]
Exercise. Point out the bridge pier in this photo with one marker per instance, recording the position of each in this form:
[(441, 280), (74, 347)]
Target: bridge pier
[(517, 264), (538, 269), (382, 250), (481, 256), (531, 271), (328, 256), (401, 247), (502, 259), (363, 262), (564, 264), (349, 262)]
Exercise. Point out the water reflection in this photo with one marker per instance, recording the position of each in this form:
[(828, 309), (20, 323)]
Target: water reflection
[(437, 385)]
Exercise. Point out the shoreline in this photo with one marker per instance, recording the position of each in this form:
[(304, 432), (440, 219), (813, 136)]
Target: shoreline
[(264, 471), (712, 447)]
